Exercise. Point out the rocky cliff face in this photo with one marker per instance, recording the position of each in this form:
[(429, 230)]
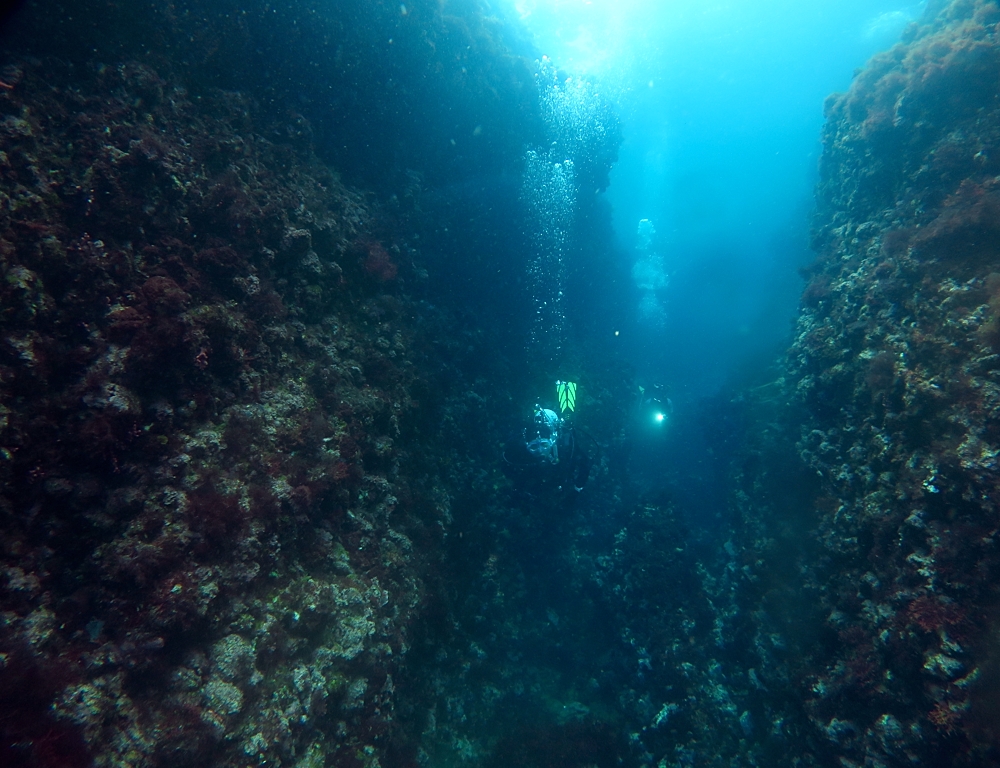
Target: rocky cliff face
[(896, 361), (205, 386), (222, 490)]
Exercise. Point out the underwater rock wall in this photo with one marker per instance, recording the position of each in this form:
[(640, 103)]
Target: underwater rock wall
[(389, 88), (206, 386), (244, 458), (896, 363), (231, 429)]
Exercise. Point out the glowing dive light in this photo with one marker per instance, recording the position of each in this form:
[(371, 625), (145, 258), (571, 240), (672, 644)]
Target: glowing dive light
[(658, 418)]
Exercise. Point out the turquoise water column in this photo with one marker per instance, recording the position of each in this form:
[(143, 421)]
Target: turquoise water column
[(550, 197), (582, 135), (650, 276)]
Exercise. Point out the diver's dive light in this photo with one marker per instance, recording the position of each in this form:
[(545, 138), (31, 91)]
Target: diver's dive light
[(654, 409), (566, 392)]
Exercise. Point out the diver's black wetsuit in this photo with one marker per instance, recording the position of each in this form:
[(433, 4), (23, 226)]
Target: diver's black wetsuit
[(534, 473)]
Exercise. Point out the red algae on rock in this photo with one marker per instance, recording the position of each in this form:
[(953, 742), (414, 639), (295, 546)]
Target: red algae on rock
[(895, 361), (201, 429)]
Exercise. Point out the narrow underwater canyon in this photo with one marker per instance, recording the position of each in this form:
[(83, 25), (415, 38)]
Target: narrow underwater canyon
[(266, 322)]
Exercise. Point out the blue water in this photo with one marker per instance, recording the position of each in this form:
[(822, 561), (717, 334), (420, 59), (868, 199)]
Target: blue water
[(721, 105)]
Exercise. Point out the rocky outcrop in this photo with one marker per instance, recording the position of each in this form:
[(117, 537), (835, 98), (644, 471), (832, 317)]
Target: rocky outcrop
[(896, 362), (226, 468)]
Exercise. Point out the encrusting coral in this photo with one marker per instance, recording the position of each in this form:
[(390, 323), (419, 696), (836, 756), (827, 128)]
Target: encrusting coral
[(895, 359), (203, 387), (223, 477)]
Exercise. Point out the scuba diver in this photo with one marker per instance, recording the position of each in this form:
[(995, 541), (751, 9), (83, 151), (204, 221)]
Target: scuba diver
[(548, 451), (653, 407)]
